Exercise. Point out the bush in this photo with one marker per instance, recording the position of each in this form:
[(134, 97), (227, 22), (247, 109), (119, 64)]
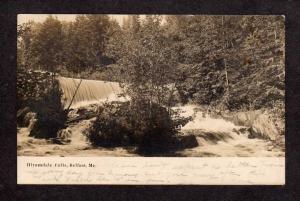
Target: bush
[(31, 85), (39, 92), (111, 127), (154, 129), (123, 124), (51, 115)]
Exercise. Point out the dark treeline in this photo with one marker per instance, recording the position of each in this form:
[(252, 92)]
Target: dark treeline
[(233, 61)]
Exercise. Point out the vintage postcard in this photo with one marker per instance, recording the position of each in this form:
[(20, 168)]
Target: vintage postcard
[(151, 99)]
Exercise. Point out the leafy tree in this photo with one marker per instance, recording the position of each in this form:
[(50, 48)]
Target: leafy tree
[(212, 75), (150, 64)]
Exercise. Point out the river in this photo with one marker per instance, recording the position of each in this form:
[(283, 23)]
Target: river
[(215, 136)]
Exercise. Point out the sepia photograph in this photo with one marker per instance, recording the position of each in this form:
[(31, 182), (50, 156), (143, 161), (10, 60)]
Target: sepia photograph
[(95, 85)]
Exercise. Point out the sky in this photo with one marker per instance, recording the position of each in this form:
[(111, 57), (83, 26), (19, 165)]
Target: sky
[(22, 18)]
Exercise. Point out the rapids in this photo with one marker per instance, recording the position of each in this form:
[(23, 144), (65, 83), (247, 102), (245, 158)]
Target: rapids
[(216, 137)]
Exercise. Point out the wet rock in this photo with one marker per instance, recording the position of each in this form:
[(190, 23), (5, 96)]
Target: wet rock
[(251, 136), (188, 141), (29, 118), (81, 111), (264, 127), (243, 130), (21, 114), (32, 124), (57, 141), (235, 131), (64, 134), (260, 121), (254, 133), (72, 113)]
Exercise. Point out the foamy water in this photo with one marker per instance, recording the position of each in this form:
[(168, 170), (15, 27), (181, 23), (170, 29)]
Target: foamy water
[(204, 121), (215, 136)]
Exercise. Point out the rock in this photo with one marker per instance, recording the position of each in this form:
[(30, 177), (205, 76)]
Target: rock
[(253, 133), (264, 127), (32, 123), (21, 114), (188, 141), (236, 131), (57, 141), (243, 130), (72, 113), (260, 123), (29, 117), (81, 111), (64, 134)]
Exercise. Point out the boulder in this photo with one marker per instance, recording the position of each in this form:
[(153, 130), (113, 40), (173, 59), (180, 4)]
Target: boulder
[(29, 118), (72, 113), (187, 141), (259, 123), (64, 134), (264, 127), (81, 111), (32, 123), (243, 130), (253, 133), (21, 114), (56, 141)]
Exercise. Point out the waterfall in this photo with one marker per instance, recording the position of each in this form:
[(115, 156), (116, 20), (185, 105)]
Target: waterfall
[(89, 91)]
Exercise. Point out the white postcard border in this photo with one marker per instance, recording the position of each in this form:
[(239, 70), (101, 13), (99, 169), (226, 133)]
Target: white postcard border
[(151, 170)]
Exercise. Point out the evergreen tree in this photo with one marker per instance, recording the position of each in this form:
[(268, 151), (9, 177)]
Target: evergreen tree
[(87, 40), (47, 45)]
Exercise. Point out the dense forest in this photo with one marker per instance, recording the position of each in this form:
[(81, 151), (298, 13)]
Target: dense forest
[(226, 63), (236, 62)]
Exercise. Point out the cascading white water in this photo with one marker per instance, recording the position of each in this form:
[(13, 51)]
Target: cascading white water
[(89, 91), (215, 136)]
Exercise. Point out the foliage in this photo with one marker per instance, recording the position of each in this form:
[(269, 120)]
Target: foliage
[(148, 70), (149, 65), (25, 35), (119, 124), (41, 92), (111, 127), (85, 41), (213, 76), (31, 86), (47, 45), (51, 115)]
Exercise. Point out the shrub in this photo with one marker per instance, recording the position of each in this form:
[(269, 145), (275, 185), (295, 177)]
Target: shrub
[(154, 128), (40, 93), (31, 85), (111, 127), (51, 115), (122, 124)]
